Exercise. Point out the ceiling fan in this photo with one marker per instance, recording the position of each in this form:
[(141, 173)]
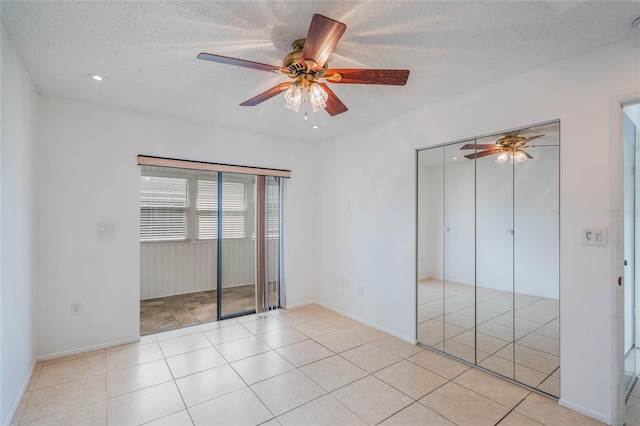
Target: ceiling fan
[(307, 66), (509, 146)]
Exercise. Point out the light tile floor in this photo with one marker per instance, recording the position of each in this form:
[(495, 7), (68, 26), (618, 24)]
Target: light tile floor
[(446, 322), (301, 366), (632, 407)]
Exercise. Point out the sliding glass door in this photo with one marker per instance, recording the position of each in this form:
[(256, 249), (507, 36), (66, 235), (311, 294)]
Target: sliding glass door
[(237, 245), (249, 244), (211, 241)]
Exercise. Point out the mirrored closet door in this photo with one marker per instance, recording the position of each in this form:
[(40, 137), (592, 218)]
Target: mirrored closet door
[(488, 253)]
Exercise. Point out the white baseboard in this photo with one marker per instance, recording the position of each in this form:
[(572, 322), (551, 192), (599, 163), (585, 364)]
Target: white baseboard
[(587, 412), (16, 403), (411, 340), (88, 348), (297, 305)]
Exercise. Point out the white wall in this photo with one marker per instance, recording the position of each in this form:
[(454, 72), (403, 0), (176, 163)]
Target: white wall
[(167, 269), (87, 157), (366, 210), (17, 243)]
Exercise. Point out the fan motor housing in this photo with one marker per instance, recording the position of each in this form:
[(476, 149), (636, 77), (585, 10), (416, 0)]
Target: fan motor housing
[(294, 56)]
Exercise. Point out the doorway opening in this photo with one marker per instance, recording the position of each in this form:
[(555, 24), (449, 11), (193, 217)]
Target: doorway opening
[(631, 207), (210, 244)]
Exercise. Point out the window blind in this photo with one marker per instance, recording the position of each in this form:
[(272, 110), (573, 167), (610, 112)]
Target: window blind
[(234, 209), (163, 208), (272, 201)]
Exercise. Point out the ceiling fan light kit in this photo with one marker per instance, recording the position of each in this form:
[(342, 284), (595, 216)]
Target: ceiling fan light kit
[(517, 156), (509, 147), (307, 64)]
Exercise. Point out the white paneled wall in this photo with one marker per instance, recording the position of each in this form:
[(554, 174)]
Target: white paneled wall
[(185, 267), (238, 262)]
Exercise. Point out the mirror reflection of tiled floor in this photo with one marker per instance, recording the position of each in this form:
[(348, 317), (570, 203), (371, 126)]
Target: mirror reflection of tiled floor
[(632, 406), (501, 316)]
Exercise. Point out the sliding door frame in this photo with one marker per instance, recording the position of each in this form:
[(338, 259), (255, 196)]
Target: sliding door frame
[(260, 273)]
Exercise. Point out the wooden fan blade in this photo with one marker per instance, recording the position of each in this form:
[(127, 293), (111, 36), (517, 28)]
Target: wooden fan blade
[(267, 95), (479, 146), (366, 76), (527, 154), (242, 63), (530, 138), (482, 153), (334, 104), (322, 37)]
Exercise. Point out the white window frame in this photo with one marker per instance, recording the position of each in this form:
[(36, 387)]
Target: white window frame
[(192, 208), (153, 174), (248, 212)]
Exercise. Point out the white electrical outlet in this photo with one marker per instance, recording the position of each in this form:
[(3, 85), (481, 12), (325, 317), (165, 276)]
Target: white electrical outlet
[(361, 290), (76, 308), (104, 228), (594, 236)]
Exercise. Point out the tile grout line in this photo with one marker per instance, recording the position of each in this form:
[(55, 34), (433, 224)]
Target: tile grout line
[(250, 389), (513, 410)]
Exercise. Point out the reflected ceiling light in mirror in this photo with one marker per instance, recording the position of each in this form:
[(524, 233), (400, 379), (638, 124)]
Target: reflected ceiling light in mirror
[(502, 158), (510, 146), (519, 156), (516, 156)]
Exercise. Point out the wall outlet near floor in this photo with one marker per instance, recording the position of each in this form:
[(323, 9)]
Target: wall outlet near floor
[(76, 308), (104, 228), (344, 282)]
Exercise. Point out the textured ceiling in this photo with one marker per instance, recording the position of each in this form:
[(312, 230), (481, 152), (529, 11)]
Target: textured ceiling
[(148, 51)]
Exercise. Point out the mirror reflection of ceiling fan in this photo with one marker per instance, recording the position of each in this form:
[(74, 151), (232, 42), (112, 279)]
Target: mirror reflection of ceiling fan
[(307, 65), (510, 146)]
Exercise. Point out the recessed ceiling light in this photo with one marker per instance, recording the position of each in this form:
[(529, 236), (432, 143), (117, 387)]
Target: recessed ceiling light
[(97, 77), (454, 158), (315, 126)]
